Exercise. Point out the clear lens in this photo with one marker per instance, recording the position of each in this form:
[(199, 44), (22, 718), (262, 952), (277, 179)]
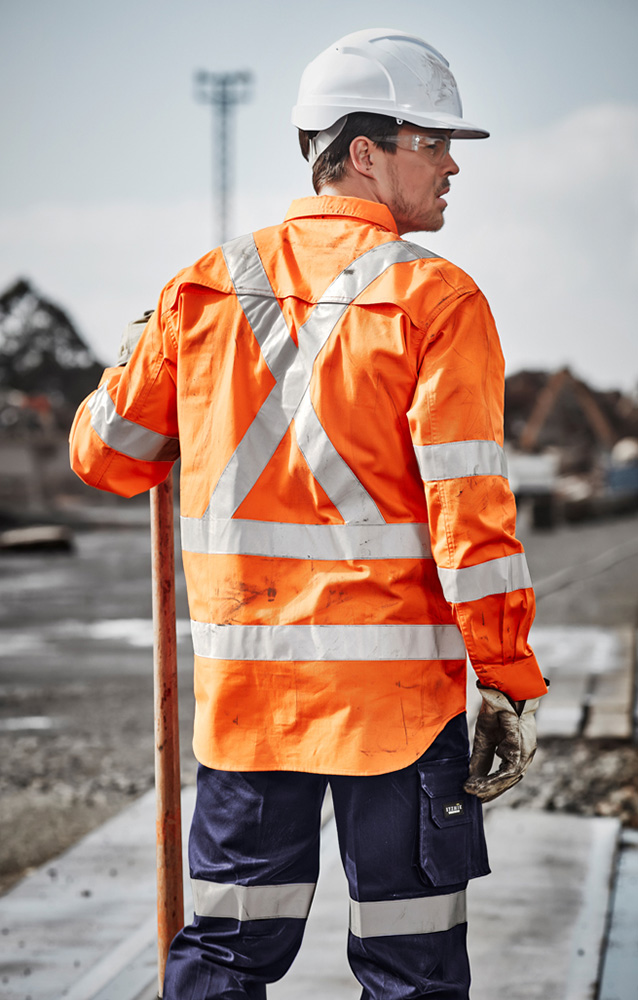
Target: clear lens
[(435, 147)]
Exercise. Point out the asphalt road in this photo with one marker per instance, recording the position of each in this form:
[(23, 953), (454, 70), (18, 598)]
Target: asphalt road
[(76, 698)]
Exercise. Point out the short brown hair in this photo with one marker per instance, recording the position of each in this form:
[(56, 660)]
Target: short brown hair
[(331, 165)]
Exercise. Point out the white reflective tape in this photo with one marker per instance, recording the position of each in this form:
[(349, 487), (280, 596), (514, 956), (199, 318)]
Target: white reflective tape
[(128, 438), (280, 540), (419, 252), (245, 267), (259, 303), (250, 458), (252, 455), (496, 576), (327, 642), (390, 918), (332, 473), (292, 369), (458, 459), (355, 278), (252, 902)]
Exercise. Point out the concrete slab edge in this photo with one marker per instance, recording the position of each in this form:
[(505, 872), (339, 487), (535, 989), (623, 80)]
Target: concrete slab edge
[(590, 930), (620, 966)]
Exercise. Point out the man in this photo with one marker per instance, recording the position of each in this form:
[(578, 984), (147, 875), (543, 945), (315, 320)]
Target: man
[(347, 536)]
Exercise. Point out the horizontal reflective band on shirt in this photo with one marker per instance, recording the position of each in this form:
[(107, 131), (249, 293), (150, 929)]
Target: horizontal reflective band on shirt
[(497, 576), (391, 918), (252, 902), (305, 541), (126, 437), (458, 459), (327, 642)]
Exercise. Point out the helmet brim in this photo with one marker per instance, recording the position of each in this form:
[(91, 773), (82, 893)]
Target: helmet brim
[(316, 119)]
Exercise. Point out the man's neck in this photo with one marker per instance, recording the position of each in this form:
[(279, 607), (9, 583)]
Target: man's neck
[(353, 187)]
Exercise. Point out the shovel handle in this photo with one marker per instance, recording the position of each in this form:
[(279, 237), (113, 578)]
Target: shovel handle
[(170, 889)]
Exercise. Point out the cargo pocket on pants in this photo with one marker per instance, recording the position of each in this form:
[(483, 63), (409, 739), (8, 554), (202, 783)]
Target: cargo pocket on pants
[(452, 846)]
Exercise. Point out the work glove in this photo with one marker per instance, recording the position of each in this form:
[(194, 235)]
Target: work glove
[(507, 729), (130, 337)]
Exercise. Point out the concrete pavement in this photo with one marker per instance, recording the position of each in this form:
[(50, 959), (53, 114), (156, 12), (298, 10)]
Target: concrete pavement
[(555, 920), (83, 927)]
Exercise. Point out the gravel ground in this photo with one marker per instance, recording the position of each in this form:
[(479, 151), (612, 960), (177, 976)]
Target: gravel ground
[(582, 777), (58, 783)]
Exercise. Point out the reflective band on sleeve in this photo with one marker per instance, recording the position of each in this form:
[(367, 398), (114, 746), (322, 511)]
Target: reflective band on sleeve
[(126, 437), (391, 918), (327, 642), (305, 541), (292, 368), (496, 576), (459, 459), (252, 902)]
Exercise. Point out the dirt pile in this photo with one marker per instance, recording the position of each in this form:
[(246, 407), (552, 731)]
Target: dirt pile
[(582, 777)]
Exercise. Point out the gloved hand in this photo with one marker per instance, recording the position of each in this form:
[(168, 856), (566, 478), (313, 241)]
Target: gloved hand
[(507, 729), (130, 337)]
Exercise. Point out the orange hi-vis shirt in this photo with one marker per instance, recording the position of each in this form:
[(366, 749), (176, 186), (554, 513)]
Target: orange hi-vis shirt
[(348, 531)]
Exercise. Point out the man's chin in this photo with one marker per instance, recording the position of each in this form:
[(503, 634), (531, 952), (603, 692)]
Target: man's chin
[(432, 224)]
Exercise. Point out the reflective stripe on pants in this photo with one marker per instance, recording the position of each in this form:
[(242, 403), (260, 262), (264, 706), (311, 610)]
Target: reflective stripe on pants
[(254, 858)]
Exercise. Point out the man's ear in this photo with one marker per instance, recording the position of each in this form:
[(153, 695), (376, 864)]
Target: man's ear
[(362, 154)]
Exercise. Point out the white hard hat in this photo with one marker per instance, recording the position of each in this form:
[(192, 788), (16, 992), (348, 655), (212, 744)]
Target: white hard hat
[(385, 72)]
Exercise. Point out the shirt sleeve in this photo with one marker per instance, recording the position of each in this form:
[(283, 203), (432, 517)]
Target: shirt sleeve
[(456, 423), (124, 437)]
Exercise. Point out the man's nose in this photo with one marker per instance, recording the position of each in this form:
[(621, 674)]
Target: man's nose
[(451, 166)]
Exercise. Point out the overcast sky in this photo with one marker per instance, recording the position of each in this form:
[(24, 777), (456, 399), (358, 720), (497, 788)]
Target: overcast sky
[(106, 161)]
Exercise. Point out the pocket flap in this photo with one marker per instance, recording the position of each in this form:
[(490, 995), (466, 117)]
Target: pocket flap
[(442, 781), (440, 777)]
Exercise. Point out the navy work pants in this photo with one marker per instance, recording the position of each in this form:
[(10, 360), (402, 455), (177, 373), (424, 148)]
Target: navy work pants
[(409, 841)]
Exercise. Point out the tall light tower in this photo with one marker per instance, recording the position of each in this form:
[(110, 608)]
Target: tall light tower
[(223, 91)]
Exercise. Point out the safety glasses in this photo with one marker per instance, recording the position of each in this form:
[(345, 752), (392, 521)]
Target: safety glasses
[(435, 147)]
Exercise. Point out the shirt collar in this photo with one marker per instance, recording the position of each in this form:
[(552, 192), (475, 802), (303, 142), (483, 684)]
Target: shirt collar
[(353, 208)]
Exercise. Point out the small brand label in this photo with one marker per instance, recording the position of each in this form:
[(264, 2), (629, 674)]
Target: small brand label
[(453, 809)]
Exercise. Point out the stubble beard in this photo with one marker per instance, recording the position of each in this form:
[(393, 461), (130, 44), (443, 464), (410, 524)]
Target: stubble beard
[(435, 224), (411, 219)]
